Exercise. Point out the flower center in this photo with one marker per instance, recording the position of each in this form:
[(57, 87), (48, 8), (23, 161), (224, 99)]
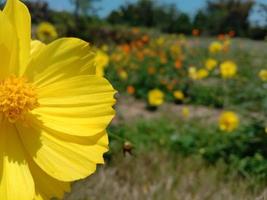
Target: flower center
[(17, 97)]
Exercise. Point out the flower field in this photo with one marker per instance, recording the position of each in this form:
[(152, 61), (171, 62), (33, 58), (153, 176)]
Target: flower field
[(202, 99)]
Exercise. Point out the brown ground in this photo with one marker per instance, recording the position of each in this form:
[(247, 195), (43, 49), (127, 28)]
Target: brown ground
[(130, 109)]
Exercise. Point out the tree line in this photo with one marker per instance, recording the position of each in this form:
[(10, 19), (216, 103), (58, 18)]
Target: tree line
[(218, 16)]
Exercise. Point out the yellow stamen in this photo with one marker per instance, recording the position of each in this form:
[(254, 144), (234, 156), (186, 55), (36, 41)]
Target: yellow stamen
[(17, 97)]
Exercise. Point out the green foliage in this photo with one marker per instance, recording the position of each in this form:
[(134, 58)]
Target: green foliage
[(144, 135), (219, 16), (244, 150), (147, 13), (227, 15)]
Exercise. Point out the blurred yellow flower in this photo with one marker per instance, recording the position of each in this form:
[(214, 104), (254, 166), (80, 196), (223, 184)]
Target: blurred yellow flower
[(175, 50), (54, 111), (163, 59), (151, 70), (192, 73), (185, 112), (228, 121), (105, 48), (211, 63), (178, 95), (226, 45), (160, 41), (155, 97), (135, 30), (228, 69), (46, 32), (263, 75), (101, 61), (215, 47), (202, 73), (123, 74)]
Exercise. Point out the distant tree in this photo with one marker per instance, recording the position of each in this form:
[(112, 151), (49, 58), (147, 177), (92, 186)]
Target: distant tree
[(82, 7), (39, 10), (183, 24), (149, 13), (140, 13), (200, 20), (165, 18), (225, 15), (263, 11), (81, 13)]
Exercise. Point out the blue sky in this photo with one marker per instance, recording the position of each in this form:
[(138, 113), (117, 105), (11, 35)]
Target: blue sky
[(189, 6)]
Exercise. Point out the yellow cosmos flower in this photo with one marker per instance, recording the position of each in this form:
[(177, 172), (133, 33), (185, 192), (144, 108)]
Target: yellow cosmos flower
[(105, 48), (192, 73), (160, 41), (175, 50), (263, 75), (211, 63), (185, 112), (228, 69), (228, 121), (178, 95), (123, 74), (54, 111), (215, 47), (226, 45), (155, 97), (46, 32), (202, 73), (101, 62)]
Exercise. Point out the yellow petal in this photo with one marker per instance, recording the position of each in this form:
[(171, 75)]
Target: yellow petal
[(16, 180), (47, 187), (36, 47), (84, 103), (59, 60), (8, 47), (20, 18), (65, 158)]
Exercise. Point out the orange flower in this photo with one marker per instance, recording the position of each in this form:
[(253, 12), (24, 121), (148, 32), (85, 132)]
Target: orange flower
[(145, 38), (125, 48), (163, 82), (140, 56), (151, 70), (135, 30), (170, 86), (130, 90), (231, 33), (221, 37), (195, 32), (149, 52), (178, 64), (163, 60), (226, 45), (138, 44)]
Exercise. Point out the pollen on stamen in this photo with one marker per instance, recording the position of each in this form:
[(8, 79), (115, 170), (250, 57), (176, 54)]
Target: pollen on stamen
[(17, 97)]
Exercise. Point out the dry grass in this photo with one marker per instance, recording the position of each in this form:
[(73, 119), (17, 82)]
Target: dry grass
[(158, 176)]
